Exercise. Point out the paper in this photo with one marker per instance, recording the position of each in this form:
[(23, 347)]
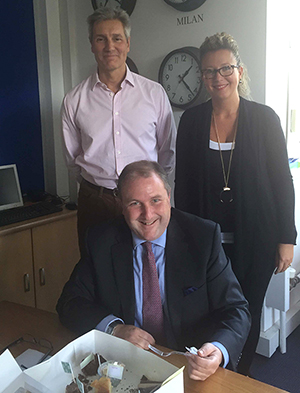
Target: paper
[(13, 380), (29, 358)]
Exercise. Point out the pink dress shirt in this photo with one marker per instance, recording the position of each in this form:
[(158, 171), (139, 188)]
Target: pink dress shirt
[(103, 131)]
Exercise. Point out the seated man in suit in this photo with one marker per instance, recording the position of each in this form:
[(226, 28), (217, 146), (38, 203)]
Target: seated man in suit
[(157, 274)]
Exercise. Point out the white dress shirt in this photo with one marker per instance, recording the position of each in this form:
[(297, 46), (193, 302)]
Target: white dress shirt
[(104, 131)]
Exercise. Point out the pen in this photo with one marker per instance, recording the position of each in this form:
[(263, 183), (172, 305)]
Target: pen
[(192, 350)]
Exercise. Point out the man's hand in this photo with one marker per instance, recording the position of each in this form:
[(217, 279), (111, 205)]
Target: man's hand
[(135, 335), (284, 257), (205, 363)]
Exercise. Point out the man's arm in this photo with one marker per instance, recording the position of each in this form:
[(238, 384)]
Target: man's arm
[(79, 311), (166, 134), (71, 138), (229, 307), (101, 284), (77, 306), (230, 315)]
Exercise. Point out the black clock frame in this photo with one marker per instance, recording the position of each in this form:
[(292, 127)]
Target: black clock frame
[(189, 5), (126, 5), (131, 65), (192, 51)]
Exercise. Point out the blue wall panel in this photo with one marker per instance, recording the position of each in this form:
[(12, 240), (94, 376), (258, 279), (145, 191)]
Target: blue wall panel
[(20, 123)]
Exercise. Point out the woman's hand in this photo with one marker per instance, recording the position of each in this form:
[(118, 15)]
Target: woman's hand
[(284, 257)]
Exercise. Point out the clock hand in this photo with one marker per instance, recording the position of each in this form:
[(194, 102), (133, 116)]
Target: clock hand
[(186, 72), (187, 86), (181, 77)]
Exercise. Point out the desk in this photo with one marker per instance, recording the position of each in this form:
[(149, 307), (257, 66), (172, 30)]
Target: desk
[(16, 320)]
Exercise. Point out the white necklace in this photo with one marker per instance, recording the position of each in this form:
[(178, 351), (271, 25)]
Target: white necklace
[(226, 195)]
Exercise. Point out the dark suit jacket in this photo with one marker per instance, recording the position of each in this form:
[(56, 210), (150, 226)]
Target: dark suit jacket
[(204, 300)]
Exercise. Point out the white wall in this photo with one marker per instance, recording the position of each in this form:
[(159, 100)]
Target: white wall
[(155, 32)]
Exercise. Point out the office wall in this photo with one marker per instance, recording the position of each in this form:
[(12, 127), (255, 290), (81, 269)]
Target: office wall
[(20, 126), (157, 29), (63, 41), (64, 55)]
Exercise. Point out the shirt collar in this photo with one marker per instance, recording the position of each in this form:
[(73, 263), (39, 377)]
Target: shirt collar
[(160, 241), (95, 79), (129, 77)]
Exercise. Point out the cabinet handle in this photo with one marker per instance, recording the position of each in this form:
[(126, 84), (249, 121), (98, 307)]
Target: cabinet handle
[(26, 283), (42, 277)]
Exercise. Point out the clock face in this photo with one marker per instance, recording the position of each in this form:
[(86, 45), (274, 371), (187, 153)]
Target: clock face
[(127, 5), (180, 76), (185, 5)]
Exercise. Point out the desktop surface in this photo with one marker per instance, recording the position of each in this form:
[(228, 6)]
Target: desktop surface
[(18, 320)]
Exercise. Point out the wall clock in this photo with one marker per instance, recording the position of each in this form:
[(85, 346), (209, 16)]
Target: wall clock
[(131, 65), (185, 5), (180, 75), (127, 5)]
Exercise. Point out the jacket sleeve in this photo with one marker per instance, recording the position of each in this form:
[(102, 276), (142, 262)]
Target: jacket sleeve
[(205, 301), (166, 133), (77, 306), (227, 302), (280, 177)]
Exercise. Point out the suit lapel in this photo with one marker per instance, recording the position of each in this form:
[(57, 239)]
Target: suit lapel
[(122, 260), (177, 261)]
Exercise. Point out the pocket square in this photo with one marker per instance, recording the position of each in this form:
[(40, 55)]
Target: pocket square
[(189, 290)]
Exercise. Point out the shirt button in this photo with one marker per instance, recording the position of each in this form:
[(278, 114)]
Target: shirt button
[(119, 152), (117, 133), (116, 113), (111, 94)]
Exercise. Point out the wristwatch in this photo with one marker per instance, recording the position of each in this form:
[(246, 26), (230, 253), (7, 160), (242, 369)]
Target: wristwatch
[(112, 325)]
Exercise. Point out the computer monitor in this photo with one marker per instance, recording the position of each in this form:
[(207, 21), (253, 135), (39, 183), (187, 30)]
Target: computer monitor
[(10, 191)]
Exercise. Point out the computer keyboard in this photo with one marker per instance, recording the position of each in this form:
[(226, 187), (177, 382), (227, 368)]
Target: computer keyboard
[(23, 213)]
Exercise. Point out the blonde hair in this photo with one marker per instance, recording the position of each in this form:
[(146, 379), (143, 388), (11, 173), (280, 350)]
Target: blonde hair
[(226, 41)]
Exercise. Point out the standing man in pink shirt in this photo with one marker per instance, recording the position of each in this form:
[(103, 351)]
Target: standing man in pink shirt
[(111, 119)]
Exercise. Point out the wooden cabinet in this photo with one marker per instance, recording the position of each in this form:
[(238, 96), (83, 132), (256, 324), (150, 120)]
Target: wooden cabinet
[(37, 258), (16, 268)]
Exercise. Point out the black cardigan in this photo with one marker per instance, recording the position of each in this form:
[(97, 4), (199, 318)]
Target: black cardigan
[(264, 193)]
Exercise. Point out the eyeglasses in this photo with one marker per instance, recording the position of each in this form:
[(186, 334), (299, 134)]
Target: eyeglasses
[(226, 70), (28, 338)]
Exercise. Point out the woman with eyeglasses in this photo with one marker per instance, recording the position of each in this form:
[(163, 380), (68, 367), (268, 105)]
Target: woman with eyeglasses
[(232, 167)]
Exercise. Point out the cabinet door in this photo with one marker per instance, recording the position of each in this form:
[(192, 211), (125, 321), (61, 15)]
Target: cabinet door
[(55, 253), (16, 270)]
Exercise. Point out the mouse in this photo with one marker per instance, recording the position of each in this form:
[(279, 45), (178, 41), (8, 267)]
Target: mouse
[(71, 206)]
